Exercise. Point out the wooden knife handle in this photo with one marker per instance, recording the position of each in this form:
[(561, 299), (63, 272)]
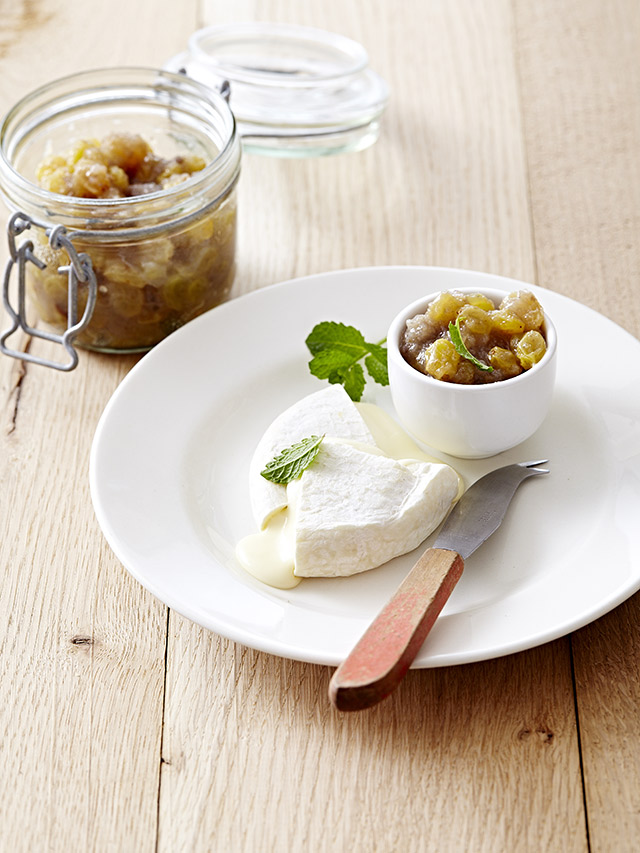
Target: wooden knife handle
[(380, 660)]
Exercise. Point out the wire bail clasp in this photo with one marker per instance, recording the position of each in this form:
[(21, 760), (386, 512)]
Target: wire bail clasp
[(79, 269)]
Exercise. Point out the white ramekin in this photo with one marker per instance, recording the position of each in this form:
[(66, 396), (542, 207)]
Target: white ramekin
[(469, 421)]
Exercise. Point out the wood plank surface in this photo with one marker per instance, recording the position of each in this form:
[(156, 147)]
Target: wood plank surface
[(580, 86), (82, 645), (510, 145)]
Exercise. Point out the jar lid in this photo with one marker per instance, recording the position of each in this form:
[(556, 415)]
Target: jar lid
[(294, 91)]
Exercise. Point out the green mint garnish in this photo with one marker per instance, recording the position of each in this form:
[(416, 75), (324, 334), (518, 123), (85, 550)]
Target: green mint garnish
[(337, 351), (456, 339), (289, 464)]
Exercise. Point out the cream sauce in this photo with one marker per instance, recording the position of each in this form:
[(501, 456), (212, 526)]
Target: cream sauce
[(393, 440), (268, 555), (390, 438)]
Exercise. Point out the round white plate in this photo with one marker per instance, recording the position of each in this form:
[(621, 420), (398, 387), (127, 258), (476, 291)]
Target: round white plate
[(171, 453)]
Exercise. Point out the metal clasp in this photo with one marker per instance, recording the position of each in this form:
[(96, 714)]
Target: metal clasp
[(79, 269)]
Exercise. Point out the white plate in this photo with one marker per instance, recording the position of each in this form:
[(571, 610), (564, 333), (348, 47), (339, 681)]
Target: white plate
[(170, 458)]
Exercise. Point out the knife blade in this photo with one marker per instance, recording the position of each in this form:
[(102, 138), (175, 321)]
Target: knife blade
[(383, 655)]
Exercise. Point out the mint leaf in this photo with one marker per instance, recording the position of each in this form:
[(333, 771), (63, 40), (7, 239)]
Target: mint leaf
[(376, 364), (330, 335), (337, 350), (354, 382), (289, 464), (456, 339), (328, 362)]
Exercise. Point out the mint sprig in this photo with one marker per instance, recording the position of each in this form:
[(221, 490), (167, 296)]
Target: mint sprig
[(338, 351), (289, 464), (456, 339)]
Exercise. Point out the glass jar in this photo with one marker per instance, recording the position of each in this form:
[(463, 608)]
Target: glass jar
[(160, 258), (295, 91)]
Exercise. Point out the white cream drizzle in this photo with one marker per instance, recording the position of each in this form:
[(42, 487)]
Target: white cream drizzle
[(268, 555)]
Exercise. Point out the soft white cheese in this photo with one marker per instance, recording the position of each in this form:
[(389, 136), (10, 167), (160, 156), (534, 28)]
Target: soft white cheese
[(356, 509), (327, 412)]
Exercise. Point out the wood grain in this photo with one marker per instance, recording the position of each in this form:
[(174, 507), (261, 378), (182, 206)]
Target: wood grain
[(82, 646), (580, 82), (580, 94), (465, 758)]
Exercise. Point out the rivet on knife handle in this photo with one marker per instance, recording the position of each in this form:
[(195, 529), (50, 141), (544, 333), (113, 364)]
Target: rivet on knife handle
[(381, 659)]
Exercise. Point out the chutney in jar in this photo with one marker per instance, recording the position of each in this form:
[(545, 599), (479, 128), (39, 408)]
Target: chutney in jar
[(147, 287), (467, 339)]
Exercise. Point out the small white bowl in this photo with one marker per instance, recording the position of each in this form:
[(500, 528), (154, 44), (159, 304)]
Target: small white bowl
[(469, 421)]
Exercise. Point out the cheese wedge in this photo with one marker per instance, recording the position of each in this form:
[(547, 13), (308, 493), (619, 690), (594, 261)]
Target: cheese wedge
[(355, 509), (327, 412)]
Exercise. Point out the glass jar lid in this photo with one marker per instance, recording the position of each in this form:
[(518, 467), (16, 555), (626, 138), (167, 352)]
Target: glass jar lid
[(294, 91)]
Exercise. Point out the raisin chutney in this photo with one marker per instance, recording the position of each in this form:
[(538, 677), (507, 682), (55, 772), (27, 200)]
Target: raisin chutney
[(468, 339)]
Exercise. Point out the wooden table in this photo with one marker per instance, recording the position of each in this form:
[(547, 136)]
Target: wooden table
[(511, 145)]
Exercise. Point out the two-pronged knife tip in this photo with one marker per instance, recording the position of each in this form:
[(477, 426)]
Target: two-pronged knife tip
[(533, 466)]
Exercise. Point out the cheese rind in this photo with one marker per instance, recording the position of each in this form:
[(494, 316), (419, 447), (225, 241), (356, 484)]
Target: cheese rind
[(327, 412), (355, 509)]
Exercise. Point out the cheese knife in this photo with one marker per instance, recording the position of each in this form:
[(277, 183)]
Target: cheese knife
[(382, 657)]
